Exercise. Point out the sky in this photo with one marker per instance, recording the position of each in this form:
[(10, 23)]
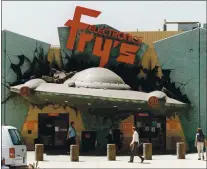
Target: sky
[(40, 19)]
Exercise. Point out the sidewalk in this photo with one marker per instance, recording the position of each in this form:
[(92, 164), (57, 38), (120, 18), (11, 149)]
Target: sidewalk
[(159, 161)]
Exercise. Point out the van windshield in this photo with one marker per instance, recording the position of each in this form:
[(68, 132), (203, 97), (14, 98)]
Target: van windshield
[(16, 137)]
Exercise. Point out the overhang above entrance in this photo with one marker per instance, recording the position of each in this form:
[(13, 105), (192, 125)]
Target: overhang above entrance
[(37, 91)]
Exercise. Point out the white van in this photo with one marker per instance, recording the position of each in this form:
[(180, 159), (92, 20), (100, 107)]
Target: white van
[(14, 150)]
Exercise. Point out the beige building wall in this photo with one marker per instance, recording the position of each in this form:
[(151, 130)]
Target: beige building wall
[(31, 122), (54, 55)]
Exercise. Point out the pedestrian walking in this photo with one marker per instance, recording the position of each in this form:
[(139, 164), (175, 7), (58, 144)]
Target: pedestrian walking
[(110, 136), (199, 143), (134, 146), (71, 134)]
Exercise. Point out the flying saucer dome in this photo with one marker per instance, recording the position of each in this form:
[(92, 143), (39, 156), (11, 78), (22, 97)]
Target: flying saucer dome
[(99, 78), (97, 87)]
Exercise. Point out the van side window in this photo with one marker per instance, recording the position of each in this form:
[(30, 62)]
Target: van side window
[(15, 137)]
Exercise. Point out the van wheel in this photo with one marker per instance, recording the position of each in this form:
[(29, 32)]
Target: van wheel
[(8, 166), (22, 167), (12, 167)]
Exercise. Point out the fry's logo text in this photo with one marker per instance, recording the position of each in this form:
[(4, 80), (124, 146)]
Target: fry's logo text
[(127, 51)]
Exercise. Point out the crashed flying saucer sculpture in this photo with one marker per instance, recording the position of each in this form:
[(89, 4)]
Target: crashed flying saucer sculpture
[(98, 88)]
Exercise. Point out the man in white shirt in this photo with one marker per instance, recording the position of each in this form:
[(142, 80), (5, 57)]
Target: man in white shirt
[(134, 146)]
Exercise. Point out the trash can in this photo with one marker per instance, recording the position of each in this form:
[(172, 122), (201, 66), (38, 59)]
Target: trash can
[(39, 151), (111, 152)]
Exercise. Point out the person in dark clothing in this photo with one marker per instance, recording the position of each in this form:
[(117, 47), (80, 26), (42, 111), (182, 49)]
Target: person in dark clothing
[(134, 146), (199, 143), (120, 145), (110, 137), (160, 138), (117, 139)]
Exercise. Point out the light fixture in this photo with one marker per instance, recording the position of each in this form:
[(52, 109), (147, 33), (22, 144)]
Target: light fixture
[(89, 104), (66, 101), (139, 108), (115, 106)]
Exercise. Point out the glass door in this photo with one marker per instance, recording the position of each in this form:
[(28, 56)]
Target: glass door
[(152, 129), (142, 123), (61, 124), (158, 134)]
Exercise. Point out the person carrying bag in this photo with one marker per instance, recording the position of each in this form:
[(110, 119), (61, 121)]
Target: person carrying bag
[(199, 143)]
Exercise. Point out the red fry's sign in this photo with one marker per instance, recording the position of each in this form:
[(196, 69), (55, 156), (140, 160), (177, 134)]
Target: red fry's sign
[(127, 51), (53, 114)]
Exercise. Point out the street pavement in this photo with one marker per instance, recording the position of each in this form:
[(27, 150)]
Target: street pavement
[(158, 161)]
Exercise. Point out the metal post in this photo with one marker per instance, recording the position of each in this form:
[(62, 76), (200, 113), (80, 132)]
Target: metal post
[(150, 126), (135, 119), (4, 75), (199, 106)]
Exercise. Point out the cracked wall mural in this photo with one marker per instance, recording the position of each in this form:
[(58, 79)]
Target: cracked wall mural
[(23, 58), (33, 59), (140, 78), (183, 55)]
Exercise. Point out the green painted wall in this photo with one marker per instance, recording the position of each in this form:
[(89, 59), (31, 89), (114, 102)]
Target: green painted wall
[(181, 54), (3, 73), (203, 80), (15, 108)]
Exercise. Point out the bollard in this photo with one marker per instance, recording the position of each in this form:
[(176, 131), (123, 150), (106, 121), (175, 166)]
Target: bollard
[(147, 151), (111, 152), (39, 151), (180, 150), (74, 153)]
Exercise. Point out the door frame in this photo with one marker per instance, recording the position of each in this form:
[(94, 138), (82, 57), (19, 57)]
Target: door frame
[(46, 115), (150, 117)]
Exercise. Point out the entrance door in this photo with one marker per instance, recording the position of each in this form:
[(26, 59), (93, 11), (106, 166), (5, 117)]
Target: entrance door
[(158, 133), (88, 140), (52, 129), (61, 128), (152, 129), (45, 130)]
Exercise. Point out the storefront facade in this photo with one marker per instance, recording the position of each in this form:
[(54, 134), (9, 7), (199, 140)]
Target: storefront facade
[(30, 116)]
